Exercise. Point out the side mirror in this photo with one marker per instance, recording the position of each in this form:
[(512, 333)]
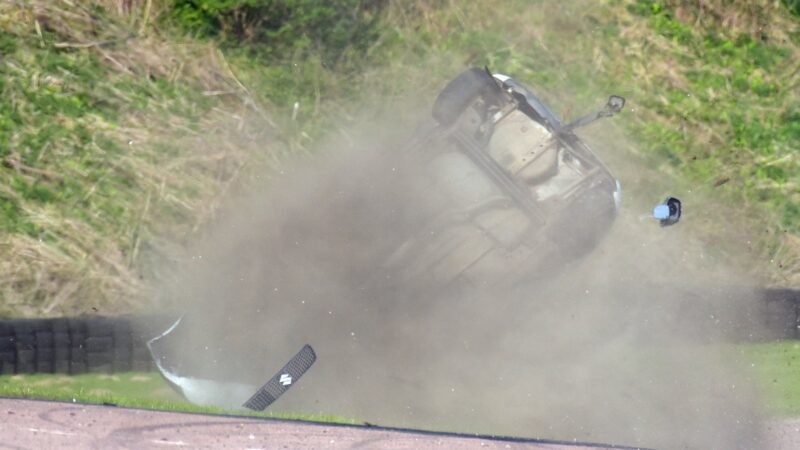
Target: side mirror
[(615, 104), (669, 212)]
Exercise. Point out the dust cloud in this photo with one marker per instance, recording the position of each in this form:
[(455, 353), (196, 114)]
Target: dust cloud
[(627, 346)]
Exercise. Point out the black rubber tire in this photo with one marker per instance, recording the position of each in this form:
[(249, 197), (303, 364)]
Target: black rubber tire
[(44, 339), (61, 357), (583, 224), (79, 344), (44, 351), (59, 325), (61, 367), (123, 346), (77, 338), (104, 344), (8, 362), (121, 328), (61, 339), (62, 342), (44, 360), (7, 340), (141, 359), (25, 345), (99, 327), (26, 361), (77, 368), (140, 365), (122, 361), (76, 325), (99, 362), (24, 333), (77, 360), (460, 92)]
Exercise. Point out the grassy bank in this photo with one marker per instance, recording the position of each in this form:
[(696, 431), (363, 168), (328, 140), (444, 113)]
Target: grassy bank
[(115, 143), (713, 97), (124, 125), (134, 390)]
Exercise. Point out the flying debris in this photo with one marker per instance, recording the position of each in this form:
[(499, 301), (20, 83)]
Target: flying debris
[(283, 380), (669, 212), (199, 391), (227, 394)]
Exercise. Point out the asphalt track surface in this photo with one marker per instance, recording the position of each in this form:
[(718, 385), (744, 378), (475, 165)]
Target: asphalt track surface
[(32, 424)]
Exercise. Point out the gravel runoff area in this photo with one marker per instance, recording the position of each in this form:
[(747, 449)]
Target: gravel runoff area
[(33, 424), (784, 435)]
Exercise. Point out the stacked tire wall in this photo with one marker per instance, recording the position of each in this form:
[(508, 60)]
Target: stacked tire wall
[(84, 344), (75, 345), (781, 313)]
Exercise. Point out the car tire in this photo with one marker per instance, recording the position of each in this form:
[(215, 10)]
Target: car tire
[(77, 345), (44, 360), (77, 360), (61, 357), (583, 224), (123, 346), (61, 345), (99, 362), (99, 344), (460, 93), (8, 362), (8, 349)]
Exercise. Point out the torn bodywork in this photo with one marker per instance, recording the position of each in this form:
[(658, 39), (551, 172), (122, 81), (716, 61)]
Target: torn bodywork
[(227, 394), (197, 390)]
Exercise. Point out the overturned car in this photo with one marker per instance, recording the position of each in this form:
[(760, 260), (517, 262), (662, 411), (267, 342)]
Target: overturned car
[(515, 191), (499, 190)]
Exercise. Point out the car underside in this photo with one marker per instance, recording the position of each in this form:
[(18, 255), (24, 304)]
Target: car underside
[(513, 191)]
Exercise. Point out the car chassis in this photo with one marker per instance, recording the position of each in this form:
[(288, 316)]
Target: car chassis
[(542, 196)]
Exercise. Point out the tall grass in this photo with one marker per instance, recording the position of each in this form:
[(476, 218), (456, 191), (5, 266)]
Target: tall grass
[(100, 117), (714, 90), (123, 124)]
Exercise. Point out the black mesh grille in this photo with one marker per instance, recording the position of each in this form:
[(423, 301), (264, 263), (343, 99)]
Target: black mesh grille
[(283, 380)]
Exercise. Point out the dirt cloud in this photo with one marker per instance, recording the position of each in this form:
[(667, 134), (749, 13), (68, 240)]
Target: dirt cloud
[(627, 346)]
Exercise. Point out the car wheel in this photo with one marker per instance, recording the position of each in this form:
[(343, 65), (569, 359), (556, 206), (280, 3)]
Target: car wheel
[(583, 225), (460, 93)]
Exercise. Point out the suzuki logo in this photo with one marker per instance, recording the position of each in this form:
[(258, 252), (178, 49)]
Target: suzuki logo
[(285, 379)]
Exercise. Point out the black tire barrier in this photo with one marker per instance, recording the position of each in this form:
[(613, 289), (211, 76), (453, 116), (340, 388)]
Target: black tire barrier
[(77, 345), (781, 313)]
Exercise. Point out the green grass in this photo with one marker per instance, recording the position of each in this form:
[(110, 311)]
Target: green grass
[(737, 85), (774, 367), (135, 390), (121, 132), (96, 155), (101, 171), (777, 369), (95, 388), (712, 92)]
